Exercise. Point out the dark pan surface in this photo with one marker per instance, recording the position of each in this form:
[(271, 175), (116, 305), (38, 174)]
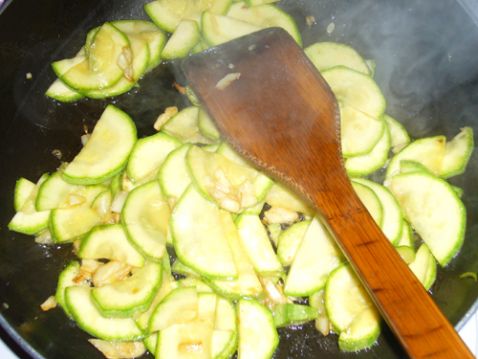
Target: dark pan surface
[(426, 66)]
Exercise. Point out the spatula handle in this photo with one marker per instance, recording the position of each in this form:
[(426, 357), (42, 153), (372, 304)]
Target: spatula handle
[(403, 302)]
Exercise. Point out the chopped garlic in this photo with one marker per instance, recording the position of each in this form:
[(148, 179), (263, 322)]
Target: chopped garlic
[(330, 28), (119, 350), (227, 80), (125, 61), (57, 153), (74, 200), (28, 75), (110, 272), (310, 20), (85, 138), (49, 303), (165, 116)]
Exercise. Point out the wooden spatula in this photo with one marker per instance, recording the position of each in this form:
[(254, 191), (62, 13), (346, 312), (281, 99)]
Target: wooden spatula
[(274, 107)]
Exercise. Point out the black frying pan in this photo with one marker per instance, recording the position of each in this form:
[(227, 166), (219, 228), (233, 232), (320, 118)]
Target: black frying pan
[(427, 66)]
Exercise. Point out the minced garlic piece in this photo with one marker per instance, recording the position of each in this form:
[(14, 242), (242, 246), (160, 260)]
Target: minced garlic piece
[(164, 117), (49, 303)]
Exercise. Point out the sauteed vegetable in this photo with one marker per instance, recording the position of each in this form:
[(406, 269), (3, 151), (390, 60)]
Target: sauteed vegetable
[(183, 248)]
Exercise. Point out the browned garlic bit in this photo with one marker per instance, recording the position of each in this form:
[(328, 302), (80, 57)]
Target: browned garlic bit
[(85, 138), (165, 116), (87, 268), (49, 303), (57, 153), (227, 80), (181, 89), (231, 198), (110, 272), (280, 215), (119, 350), (310, 20)]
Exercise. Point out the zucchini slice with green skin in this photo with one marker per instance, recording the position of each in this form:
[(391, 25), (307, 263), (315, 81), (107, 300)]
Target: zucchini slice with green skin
[(356, 90), (322, 322), (207, 127), (359, 166), (398, 134), (65, 280), (218, 29), (145, 217), (289, 242), (256, 243), (406, 238), (258, 336), (23, 190), (106, 152), (293, 314), (179, 341), (359, 132), (179, 306), (247, 283), (282, 197), (326, 55), (174, 175), (110, 242), (151, 342), (184, 126), (265, 15), (29, 223), (131, 295), (457, 153), (351, 311), (392, 215), (182, 41), (371, 201), (100, 69), (316, 257), (58, 90), (87, 317), (154, 37), (424, 266), (68, 224), (428, 151), (407, 253), (199, 236), (434, 210), (224, 336), (167, 14), (148, 154)]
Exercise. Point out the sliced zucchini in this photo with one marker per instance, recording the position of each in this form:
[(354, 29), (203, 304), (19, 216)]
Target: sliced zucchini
[(87, 317), (186, 340), (217, 29), (398, 134), (392, 215), (110, 242), (58, 90), (258, 336), (148, 154), (371, 201), (224, 336), (325, 55), (131, 295), (167, 14), (424, 266), (364, 165), (434, 210), (100, 69), (457, 153), (406, 253), (193, 282), (359, 133), (207, 127), (106, 152), (428, 151), (356, 90), (290, 240), (150, 342), (65, 280), (293, 314), (351, 311), (179, 306), (181, 268), (145, 217), (265, 15), (29, 223), (174, 175), (256, 243), (322, 322), (406, 237), (68, 224), (23, 190), (199, 238), (316, 257), (247, 283), (102, 203), (184, 126), (185, 37)]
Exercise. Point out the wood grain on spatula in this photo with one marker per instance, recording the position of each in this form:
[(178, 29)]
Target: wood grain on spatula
[(271, 104)]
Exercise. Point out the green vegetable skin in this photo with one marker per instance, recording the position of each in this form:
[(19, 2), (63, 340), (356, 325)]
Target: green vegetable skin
[(207, 204)]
